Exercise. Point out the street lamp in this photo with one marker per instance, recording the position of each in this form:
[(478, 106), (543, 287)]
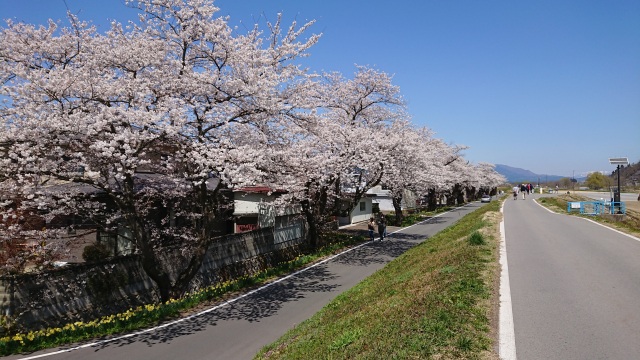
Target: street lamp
[(619, 162)]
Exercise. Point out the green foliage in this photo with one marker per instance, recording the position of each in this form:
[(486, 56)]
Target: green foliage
[(597, 181), (95, 252), (476, 238), (565, 183)]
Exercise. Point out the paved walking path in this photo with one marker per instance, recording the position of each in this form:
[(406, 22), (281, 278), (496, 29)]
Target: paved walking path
[(239, 328)]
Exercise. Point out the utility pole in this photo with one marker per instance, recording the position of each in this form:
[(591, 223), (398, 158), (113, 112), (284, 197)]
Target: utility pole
[(616, 195)]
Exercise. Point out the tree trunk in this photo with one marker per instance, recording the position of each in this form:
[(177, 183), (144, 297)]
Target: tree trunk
[(156, 267), (181, 285), (312, 224), (432, 200), (207, 202), (460, 197), (159, 276), (397, 207), (313, 230), (150, 263), (451, 197)]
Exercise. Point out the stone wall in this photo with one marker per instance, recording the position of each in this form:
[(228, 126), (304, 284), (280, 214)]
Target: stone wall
[(76, 293), (89, 291)]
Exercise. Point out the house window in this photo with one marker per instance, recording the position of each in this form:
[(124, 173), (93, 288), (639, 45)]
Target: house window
[(363, 206), (110, 240)]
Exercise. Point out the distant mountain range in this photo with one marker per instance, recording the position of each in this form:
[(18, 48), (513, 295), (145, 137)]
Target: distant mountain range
[(521, 175)]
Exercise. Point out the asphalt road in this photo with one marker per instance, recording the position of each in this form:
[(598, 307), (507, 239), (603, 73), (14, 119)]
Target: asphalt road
[(240, 328), (575, 286)]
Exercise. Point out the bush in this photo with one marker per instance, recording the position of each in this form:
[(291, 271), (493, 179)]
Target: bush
[(476, 238), (95, 252)]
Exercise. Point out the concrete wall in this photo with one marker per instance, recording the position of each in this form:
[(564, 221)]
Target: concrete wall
[(248, 203), (75, 293), (385, 202), (358, 215), (89, 291)]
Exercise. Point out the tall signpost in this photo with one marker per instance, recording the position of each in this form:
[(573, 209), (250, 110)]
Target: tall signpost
[(621, 161)]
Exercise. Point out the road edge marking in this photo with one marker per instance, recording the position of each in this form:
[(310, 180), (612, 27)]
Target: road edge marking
[(595, 222), (506, 336)]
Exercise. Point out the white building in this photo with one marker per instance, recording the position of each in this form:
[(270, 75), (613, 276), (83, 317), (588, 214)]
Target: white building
[(385, 202), (363, 211)]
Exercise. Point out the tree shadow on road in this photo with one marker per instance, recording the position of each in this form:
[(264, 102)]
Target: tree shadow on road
[(434, 220), (379, 252), (252, 308)]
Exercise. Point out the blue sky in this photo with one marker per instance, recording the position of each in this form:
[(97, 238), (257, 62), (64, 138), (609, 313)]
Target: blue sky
[(548, 86)]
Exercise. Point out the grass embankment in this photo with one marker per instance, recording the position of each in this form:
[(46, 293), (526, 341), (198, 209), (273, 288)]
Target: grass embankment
[(435, 301), (629, 223)]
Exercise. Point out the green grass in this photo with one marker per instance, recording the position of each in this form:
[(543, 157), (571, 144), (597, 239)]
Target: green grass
[(433, 301), (476, 238)]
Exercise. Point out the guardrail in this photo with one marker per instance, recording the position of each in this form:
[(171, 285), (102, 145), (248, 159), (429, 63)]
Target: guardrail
[(597, 207)]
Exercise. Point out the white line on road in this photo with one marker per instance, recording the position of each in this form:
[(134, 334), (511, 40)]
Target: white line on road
[(507, 338), (228, 302), (595, 222)]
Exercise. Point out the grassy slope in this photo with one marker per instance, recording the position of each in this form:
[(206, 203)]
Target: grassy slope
[(437, 300)]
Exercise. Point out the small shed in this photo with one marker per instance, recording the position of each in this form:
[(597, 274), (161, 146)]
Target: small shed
[(363, 211)]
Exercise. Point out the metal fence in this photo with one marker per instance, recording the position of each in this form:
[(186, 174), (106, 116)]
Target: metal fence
[(597, 207)]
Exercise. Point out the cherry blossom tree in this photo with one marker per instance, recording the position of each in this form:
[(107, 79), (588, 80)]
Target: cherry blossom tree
[(459, 174), (149, 119), (336, 149), (487, 179), (468, 180), (417, 164), (141, 128)]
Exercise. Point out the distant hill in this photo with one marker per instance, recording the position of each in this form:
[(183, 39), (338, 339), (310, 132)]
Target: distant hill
[(514, 174), (629, 175)]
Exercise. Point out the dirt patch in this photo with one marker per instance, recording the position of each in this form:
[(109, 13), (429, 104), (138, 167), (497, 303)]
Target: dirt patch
[(633, 206), (493, 278)]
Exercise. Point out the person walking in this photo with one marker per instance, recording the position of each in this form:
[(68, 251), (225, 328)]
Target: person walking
[(371, 227), (382, 226), (523, 190), (515, 192)]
